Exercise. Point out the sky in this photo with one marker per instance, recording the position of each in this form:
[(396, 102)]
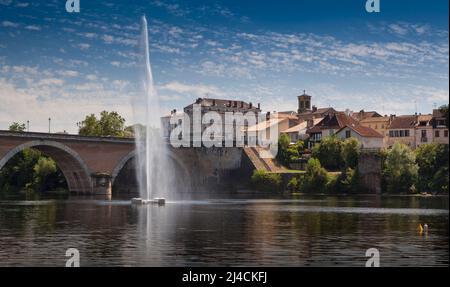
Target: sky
[(67, 65)]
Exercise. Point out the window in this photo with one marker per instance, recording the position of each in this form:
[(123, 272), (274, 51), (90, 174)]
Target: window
[(402, 133), (396, 134), (391, 134), (436, 134), (446, 133), (348, 134), (424, 133), (406, 133)]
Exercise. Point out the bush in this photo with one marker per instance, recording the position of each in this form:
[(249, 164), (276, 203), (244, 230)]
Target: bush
[(400, 169), (432, 160), (347, 182), (351, 149), (292, 185), (329, 153), (288, 152), (316, 177), (266, 182)]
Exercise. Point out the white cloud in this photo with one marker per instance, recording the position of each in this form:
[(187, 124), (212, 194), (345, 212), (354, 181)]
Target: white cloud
[(9, 24), (84, 46), (198, 90), (68, 73), (33, 28)]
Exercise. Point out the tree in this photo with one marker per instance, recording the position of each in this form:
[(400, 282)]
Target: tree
[(109, 124), (351, 149), (329, 153), (16, 127), (316, 177), (400, 169), (444, 110), (433, 163)]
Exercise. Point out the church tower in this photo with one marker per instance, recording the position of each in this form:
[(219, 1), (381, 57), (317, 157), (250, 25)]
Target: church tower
[(304, 103)]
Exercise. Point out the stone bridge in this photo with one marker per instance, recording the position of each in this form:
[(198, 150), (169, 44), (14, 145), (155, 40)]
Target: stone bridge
[(91, 165)]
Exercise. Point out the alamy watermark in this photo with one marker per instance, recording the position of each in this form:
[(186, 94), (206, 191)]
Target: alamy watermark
[(73, 6), (74, 257), (227, 129), (373, 6), (374, 257)]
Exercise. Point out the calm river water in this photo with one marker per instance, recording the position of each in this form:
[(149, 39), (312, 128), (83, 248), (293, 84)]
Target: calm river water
[(226, 231)]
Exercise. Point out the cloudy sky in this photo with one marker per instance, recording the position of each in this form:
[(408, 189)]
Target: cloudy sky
[(66, 65)]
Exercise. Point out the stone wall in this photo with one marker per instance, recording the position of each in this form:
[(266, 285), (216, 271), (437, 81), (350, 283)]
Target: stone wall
[(369, 167)]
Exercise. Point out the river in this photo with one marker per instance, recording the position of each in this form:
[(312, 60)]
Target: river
[(226, 230)]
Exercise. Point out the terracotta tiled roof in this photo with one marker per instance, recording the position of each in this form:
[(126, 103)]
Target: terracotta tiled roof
[(335, 121), (363, 131), (403, 122), (364, 115)]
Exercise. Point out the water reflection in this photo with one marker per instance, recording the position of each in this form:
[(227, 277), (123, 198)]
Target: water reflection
[(304, 231)]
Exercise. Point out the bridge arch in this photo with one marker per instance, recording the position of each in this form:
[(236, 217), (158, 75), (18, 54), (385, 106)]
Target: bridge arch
[(179, 164), (74, 169)]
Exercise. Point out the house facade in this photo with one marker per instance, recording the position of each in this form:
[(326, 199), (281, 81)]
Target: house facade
[(368, 137)]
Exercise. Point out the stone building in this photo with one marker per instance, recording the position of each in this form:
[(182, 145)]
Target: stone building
[(368, 137), (402, 129), (221, 107), (440, 130), (328, 126), (307, 111)]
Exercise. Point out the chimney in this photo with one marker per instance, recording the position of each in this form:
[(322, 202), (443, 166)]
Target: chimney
[(361, 114), (214, 102), (259, 107), (314, 109), (267, 115), (250, 105)]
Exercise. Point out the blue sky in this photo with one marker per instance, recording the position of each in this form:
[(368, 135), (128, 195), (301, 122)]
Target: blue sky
[(65, 66)]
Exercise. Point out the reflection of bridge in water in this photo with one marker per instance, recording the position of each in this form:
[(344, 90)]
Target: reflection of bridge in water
[(91, 165)]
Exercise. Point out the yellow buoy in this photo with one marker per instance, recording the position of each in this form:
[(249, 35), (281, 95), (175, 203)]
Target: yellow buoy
[(420, 228)]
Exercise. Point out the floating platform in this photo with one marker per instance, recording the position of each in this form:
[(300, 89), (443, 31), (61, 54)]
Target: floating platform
[(140, 201)]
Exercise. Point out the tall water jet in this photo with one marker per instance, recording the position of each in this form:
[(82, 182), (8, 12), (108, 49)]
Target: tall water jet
[(152, 162)]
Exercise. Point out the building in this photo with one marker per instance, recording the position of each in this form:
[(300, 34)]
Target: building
[(361, 115), (440, 129), (222, 107), (298, 132), (283, 122), (379, 124), (328, 126), (423, 130), (368, 137), (307, 111), (402, 129)]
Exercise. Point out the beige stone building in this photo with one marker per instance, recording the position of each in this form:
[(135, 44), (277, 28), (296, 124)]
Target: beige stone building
[(368, 137), (379, 124), (440, 130), (402, 129)]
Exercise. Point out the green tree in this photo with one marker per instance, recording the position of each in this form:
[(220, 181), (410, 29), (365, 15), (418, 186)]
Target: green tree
[(109, 124), (16, 127), (43, 169), (433, 162), (400, 169), (316, 177), (329, 153), (351, 149), (90, 126)]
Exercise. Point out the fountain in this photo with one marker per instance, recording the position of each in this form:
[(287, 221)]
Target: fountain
[(152, 162)]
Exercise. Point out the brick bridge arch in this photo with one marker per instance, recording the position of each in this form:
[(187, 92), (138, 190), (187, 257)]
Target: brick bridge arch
[(177, 160), (74, 169)]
